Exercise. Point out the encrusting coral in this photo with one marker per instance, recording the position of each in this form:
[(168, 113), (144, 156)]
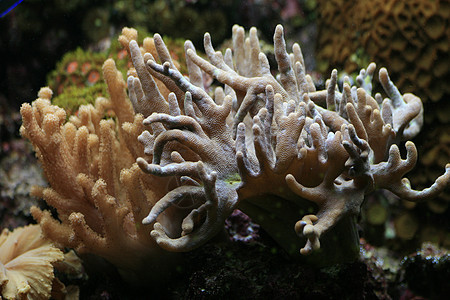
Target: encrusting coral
[(409, 36), (76, 79), (26, 264), (260, 143)]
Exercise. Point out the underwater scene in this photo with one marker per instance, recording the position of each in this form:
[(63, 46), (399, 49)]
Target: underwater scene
[(193, 149)]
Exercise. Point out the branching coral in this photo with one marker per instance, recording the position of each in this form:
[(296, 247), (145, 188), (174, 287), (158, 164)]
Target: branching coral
[(261, 143), (96, 188), (411, 37), (263, 139)]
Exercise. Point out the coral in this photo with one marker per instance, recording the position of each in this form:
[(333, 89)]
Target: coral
[(97, 214), (277, 148), (175, 48), (26, 264), (409, 36), (260, 143), (76, 79), (96, 187), (436, 149)]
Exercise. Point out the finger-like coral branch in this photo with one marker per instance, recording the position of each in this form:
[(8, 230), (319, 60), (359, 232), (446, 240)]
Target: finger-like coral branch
[(389, 175), (260, 141), (219, 201)]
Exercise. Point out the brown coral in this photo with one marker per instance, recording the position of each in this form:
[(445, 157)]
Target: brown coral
[(412, 38), (409, 36), (278, 144), (261, 143)]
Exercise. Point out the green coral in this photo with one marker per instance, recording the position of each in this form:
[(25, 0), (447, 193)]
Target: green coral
[(73, 97), (77, 79)]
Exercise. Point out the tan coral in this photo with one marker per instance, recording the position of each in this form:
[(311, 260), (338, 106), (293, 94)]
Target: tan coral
[(148, 46), (412, 38), (96, 187), (282, 143), (261, 143), (26, 264)]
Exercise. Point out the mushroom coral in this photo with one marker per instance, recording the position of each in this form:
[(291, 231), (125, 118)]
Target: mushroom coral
[(26, 264), (181, 162)]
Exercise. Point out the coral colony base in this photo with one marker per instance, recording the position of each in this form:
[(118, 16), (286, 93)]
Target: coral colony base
[(174, 161)]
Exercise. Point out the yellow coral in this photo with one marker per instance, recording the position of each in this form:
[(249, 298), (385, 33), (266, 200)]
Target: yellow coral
[(26, 264)]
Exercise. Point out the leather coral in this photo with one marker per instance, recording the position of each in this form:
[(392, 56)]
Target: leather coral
[(180, 158), (97, 190), (262, 143)]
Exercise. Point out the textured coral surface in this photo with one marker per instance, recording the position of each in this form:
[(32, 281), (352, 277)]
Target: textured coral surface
[(26, 264), (411, 37), (172, 159), (263, 145)]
